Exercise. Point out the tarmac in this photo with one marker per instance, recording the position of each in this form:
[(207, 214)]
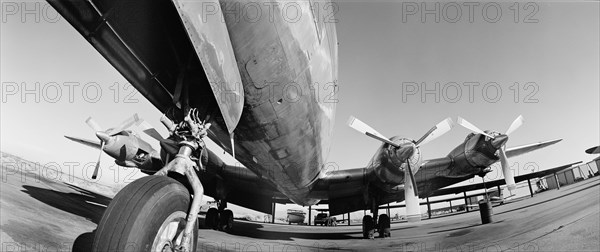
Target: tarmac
[(46, 215)]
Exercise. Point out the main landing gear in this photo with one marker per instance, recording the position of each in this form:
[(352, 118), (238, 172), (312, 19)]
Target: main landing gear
[(219, 218), (370, 226), (380, 225), (157, 213)]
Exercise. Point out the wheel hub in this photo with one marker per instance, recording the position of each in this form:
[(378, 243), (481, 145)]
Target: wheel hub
[(170, 233)]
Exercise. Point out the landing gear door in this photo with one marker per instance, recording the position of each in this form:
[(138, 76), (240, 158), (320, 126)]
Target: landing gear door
[(206, 28)]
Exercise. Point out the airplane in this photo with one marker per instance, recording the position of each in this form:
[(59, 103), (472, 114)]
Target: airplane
[(394, 159), (263, 90)]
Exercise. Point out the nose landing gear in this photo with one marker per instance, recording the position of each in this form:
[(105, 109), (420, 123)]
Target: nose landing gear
[(154, 213)]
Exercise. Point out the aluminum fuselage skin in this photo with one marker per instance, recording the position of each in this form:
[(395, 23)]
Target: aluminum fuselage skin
[(289, 74)]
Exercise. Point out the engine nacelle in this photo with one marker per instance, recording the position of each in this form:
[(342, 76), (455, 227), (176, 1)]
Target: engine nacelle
[(129, 150), (389, 162), (474, 156)]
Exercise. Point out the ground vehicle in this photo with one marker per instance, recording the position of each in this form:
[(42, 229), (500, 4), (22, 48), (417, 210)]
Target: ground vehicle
[(324, 220), (295, 216), (321, 219)]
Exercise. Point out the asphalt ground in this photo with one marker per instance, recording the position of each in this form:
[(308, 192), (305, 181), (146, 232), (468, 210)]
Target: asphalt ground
[(46, 215)]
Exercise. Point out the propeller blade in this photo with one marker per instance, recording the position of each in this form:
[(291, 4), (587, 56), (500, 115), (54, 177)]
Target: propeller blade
[(93, 124), (412, 179), (125, 124), (438, 130), (362, 127), (515, 125), (98, 163), (471, 127), (150, 131), (508, 175)]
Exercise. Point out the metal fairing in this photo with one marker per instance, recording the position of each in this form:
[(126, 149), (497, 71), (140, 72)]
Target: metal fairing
[(210, 39)]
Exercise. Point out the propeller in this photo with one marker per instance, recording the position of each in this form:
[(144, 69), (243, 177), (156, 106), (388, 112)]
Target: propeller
[(471, 127), (362, 127), (499, 142), (438, 130), (167, 144), (151, 131), (515, 125), (412, 178), (105, 135)]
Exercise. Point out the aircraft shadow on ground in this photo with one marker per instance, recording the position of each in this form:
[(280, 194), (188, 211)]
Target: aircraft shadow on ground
[(257, 230), (82, 203)]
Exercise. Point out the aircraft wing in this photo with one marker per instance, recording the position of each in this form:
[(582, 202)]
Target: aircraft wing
[(499, 182), (242, 186), (432, 175), (152, 59), (348, 190), (519, 150), (90, 143)]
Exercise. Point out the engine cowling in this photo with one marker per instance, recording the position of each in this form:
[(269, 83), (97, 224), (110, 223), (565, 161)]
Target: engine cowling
[(389, 162), (474, 156), (129, 150)]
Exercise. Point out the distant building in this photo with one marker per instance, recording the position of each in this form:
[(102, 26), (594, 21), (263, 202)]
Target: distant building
[(573, 175)]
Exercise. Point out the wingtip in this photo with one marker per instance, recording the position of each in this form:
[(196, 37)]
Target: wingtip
[(555, 140), (70, 138)]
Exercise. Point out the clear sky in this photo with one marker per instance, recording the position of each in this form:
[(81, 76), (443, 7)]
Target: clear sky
[(384, 49)]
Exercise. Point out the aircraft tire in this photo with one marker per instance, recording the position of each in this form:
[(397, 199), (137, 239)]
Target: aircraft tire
[(141, 215), (226, 220), (212, 219), (368, 227), (384, 226)]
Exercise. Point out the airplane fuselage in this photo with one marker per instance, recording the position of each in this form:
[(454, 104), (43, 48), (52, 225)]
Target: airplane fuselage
[(289, 75)]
